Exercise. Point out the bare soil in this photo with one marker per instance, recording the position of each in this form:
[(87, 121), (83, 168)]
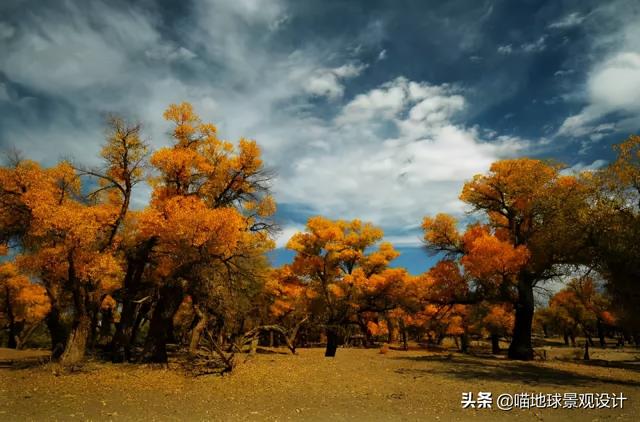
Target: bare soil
[(359, 384)]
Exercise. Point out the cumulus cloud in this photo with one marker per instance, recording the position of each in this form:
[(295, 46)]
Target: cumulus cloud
[(389, 154), (580, 167), (286, 232), (395, 153), (613, 86), (328, 82), (612, 83), (616, 84)]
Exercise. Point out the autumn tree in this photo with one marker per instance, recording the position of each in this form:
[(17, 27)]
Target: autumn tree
[(497, 320), (529, 206), (207, 226), (335, 260), (613, 227), (59, 242), (24, 304), (287, 300), (209, 208)]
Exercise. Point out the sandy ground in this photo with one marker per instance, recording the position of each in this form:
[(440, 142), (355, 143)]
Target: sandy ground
[(359, 384)]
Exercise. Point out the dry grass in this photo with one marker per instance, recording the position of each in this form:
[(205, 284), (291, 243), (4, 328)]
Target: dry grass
[(359, 384)]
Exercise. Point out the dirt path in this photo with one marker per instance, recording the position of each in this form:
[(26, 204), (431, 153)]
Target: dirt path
[(356, 385)]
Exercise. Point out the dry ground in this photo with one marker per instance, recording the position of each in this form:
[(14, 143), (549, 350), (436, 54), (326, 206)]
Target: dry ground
[(359, 384)]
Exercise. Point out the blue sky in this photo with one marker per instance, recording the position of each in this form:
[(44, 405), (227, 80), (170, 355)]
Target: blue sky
[(369, 109)]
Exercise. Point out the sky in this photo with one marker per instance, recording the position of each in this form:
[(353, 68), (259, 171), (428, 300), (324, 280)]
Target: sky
[(378, 110)]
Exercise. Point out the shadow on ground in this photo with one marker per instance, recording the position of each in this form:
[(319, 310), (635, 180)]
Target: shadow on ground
[(500, 370)]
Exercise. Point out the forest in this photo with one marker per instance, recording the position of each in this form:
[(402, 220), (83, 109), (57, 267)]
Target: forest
[(542, 252)]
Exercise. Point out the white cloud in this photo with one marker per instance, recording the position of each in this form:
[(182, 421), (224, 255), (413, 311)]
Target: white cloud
[(535, 46), (395, 153), (616, 84), (530, 47), (411, 240), (328, 82), (69, 54), (169, 53), (389, 155), (580, 167), (382, 55), (571, 20), (563, 72), (505, 49), (286, 233), (613, 86)]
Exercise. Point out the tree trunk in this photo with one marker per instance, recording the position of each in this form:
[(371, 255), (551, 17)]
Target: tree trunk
[(77, 343), (566, 338), (587, 335), (105, 324), (600, 328), (292, 340), (93, 330), (161, 326), (586, 350), (403, 330), (332, 342), (25, 337), (14, 334), (520, 347), (120, 344), (122, 339), (57, 332), (366, 336), (464, 343), (141, 319), (391, 329), (495, 344), (197, 331), (14, 331)]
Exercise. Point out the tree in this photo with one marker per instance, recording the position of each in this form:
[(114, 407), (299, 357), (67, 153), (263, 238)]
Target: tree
[(24, 304), (529, 207), (210, 208), (334, 261), (498, 321), (613, 227), (208, 224)]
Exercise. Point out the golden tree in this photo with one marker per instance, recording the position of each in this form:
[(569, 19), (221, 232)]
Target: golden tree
[(334, 261), (530, 207)]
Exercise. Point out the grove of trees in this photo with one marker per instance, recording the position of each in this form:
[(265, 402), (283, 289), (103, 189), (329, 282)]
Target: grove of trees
[(89, 272)]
